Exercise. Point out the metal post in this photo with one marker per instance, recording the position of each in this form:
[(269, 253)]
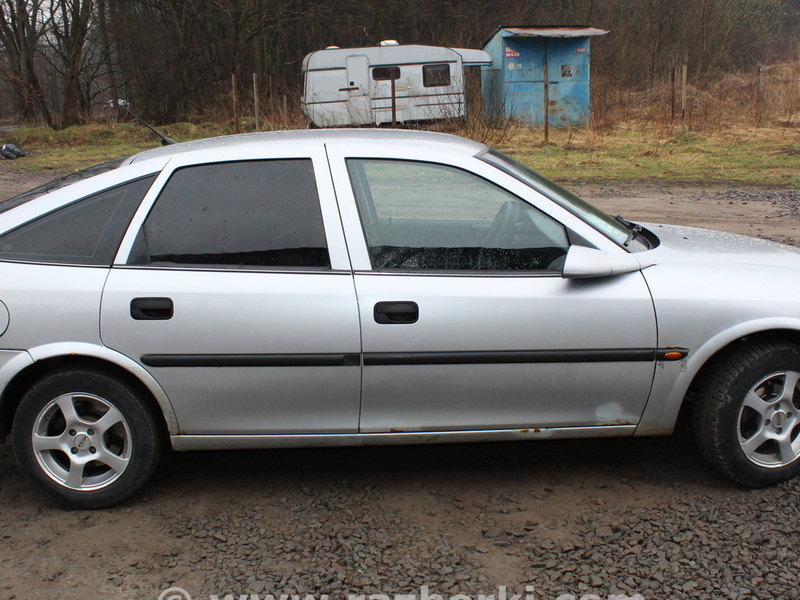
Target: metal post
[(394, 104), (255, 102), (546, 102)]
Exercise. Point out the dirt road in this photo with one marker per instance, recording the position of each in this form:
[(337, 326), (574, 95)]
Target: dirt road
[(598, 517), (14, 181)]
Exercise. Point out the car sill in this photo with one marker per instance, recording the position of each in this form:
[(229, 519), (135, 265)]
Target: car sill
[(183, 443)]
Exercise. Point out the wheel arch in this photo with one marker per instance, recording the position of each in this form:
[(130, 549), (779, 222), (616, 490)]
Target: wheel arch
[(672, 395), (52, 357)]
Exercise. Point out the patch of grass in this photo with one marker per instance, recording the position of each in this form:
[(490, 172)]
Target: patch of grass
[(82, 146), (74, 158), (686, 138), (748, 155)]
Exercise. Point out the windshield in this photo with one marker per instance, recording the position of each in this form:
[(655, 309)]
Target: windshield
[(59, 183), (613, 228)]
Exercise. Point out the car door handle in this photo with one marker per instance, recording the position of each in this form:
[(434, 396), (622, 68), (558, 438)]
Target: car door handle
[(151, 309), (396, 313)]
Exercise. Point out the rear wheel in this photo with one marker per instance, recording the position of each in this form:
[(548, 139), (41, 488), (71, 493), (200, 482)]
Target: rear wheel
[(747, 422), (85, 439)]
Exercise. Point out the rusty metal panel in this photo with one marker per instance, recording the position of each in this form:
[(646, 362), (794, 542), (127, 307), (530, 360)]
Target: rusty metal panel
[(514, 84)]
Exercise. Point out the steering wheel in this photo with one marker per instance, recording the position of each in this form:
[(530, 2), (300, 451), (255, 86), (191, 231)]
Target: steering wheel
[(502, 227)]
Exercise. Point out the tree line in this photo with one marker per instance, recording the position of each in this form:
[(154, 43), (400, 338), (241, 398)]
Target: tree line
[(170, 60)]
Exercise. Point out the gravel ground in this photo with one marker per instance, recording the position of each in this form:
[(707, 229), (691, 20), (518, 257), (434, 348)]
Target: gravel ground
[(339, 538), (587, 518)]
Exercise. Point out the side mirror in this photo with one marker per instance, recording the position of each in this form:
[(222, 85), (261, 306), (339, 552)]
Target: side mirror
[(582, 262)]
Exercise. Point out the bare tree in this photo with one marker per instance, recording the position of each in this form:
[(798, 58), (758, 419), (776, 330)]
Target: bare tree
[(173, 59), (22, 25), (70, 23)]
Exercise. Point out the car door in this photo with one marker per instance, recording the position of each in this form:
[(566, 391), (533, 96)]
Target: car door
[(233, 289), (467, 323)]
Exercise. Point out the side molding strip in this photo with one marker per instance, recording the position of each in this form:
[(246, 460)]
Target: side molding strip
[(510, 357), (415, 358), (252, 360)]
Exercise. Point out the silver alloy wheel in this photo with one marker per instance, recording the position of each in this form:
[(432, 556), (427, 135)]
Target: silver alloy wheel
[(81, 441), (769, 420)]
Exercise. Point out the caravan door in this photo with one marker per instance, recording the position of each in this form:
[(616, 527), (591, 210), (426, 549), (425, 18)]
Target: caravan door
[(358, 89)]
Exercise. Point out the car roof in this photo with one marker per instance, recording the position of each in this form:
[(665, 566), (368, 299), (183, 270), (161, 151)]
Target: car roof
[(382, 136)]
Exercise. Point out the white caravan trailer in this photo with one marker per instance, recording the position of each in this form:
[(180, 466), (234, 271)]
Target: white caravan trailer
[(353, 86)]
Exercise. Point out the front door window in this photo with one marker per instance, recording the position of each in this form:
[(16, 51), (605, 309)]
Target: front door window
[(425, 216)]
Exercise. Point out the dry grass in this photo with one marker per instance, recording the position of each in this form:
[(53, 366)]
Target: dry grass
[(744, 128), (768, 97)]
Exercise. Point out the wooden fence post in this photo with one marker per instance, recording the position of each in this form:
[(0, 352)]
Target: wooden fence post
[(684, 76), (237, 127), (672, 95), (255, 102)]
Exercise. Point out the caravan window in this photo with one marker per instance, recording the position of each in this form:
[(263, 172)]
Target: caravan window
[(436, 75), (385, 73)]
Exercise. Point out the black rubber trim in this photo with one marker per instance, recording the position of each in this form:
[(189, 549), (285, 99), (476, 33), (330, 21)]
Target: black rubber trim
[(509, 357), (251, 360), (410, 358)]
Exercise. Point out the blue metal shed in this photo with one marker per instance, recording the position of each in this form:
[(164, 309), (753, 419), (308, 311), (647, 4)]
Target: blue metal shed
[(531, 64)]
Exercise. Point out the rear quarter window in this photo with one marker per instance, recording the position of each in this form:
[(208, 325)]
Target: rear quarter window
[(85, 232)]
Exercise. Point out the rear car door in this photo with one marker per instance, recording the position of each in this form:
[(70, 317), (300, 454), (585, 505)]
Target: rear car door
[(233, 289)]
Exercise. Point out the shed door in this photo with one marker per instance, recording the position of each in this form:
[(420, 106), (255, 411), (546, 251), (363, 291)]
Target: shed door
[(568, 73), (358, 89), (567, 61)]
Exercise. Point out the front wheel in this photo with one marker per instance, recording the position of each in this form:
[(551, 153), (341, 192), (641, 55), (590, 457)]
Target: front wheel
[(85, 439), (747, 422)]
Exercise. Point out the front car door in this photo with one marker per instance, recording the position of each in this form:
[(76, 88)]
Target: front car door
[(467, 323), (233, 289)]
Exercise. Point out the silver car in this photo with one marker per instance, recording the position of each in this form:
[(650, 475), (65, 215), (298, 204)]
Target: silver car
[(330, 288)]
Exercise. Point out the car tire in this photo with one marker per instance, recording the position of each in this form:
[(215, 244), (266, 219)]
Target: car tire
[(747, 420), (85, 439)]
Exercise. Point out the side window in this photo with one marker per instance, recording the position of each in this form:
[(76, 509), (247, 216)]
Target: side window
[(436, 75), (238, 214), (86, 232), (434, 217), (385, 73)]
